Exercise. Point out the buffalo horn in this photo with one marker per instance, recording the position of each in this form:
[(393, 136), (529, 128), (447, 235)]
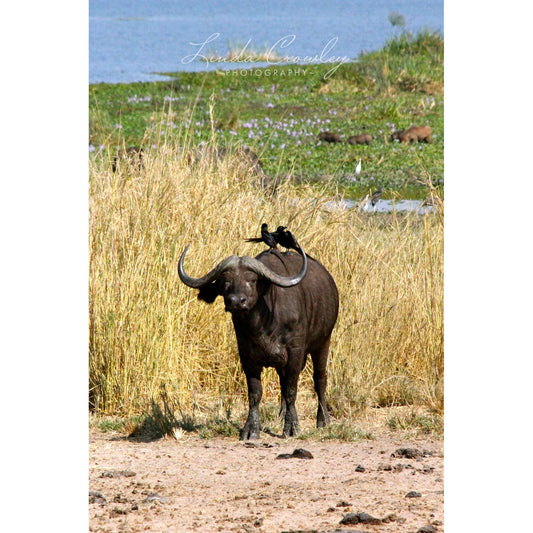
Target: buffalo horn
[(212, 275), (250, 262), (265, 272)]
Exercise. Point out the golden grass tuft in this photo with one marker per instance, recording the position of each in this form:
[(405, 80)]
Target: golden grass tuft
[(148, 331)]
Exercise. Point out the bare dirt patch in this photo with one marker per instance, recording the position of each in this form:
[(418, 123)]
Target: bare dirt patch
[(194, 484)]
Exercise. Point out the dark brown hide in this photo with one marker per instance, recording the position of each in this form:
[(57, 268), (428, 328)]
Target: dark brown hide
[(277, 327)]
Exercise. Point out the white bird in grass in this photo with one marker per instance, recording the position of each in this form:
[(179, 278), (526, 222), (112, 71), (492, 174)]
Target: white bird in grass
[(365, 204), (358, 168)]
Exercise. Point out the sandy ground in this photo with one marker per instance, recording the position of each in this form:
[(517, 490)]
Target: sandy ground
[(193, 484)]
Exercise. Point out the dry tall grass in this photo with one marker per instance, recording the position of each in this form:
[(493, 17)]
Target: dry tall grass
[(148, 330)]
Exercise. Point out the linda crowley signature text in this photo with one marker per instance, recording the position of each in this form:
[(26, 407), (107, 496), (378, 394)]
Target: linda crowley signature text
[(274, 55)]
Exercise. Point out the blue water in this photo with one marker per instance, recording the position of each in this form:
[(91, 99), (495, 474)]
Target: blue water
[(382, 206), (133, 40)]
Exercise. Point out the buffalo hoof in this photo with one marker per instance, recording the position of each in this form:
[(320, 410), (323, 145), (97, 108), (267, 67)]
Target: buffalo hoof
[(290, 430), (322, 418), (322, 423), (249, 433), (286, 435)]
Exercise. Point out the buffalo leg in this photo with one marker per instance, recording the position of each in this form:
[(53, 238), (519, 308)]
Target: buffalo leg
[(283, 404), (252, 427), (289, 389), (281, 374), (320, 359)]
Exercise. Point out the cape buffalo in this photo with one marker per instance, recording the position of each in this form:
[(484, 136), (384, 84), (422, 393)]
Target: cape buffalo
[(329, 136), (283, 307), (414, 133), (362, 138)]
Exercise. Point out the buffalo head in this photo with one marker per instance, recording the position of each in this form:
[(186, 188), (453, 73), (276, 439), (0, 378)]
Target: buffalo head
[(240, 280)]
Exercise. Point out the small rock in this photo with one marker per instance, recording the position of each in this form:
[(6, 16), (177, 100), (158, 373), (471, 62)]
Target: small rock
[(411, 453), (344, 504), (302, 454), (365, 518), (413, 494), (118, 473), (154, 497), (391, 517), (336, 531), (299, 453), (96, 497), (356, 518), (408, 453), (359, 468), (343, 530), (118, 511), (350, 518), (427, 529), (385, 467)]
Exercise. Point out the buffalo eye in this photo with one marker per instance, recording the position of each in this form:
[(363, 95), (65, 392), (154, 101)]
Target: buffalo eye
[(250, 280)]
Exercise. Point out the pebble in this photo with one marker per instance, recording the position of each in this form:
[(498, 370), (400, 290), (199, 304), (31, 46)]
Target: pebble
[(427, 529), (410, 453), (96, 497), (299, 453), (356, 518), (118, 473), (413, 494), (344, 504), (343, 530), (154, 497)]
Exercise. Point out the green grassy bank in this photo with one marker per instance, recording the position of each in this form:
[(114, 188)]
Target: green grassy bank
[(279, 111)]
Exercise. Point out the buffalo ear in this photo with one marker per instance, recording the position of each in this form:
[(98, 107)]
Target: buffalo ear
[(209, 292), (262, 286)]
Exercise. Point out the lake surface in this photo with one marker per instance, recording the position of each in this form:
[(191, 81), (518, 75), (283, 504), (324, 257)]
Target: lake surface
[(382, 206), (133, 40)]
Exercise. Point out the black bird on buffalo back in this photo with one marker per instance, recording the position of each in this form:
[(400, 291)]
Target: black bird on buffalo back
[(286, 239), (266, 237)]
